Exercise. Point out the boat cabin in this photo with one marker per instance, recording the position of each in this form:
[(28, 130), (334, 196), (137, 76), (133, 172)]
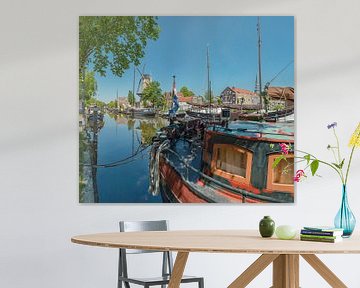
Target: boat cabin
[(242, 155)]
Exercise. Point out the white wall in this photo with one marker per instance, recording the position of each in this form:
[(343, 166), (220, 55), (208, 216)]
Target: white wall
[(39, 209)]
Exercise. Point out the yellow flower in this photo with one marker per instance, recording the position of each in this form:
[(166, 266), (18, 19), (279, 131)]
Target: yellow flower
[(355, 138)]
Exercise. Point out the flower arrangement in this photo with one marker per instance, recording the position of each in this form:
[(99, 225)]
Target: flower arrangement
[(344, 219), (312, 163)]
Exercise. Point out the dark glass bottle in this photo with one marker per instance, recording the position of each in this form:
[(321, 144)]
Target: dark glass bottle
[(266, 226)]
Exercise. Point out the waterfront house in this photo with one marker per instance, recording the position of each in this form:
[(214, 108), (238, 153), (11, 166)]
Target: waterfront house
[(123, 103), (184, 102), (234, 95), (280, 97)]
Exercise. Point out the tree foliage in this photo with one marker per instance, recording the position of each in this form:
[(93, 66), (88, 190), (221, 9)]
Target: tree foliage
[(94, 101), (153, 94), (131, 98), (112, 104), (114, 41), (88, 88), (186, 92)]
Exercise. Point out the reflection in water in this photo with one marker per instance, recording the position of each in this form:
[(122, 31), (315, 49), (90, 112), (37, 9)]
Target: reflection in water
[(120, 138)]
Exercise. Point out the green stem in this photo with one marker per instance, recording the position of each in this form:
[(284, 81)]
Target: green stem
[(348, 167), (323, 162), (333, 152), (339, 155), (338, 145)]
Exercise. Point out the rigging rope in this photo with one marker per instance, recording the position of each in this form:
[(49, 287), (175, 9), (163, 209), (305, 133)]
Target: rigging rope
[(282, 70), (124, 161)]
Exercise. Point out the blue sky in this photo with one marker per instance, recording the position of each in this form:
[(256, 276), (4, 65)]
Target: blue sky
[(181, 51)]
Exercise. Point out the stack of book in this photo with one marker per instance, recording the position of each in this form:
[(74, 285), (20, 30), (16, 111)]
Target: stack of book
[(321, 234)]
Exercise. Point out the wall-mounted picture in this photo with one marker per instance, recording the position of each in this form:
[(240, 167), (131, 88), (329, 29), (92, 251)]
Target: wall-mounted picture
[(190, 109)]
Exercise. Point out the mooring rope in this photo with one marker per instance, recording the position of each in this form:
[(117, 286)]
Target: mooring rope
[(123, 161)]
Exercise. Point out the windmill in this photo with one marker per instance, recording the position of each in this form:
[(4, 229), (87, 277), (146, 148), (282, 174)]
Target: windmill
[(144, 81)]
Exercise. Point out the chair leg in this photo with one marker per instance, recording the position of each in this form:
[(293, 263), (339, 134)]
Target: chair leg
[(201, 283)]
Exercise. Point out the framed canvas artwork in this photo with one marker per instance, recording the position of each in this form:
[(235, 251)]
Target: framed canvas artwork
[(186, 109)]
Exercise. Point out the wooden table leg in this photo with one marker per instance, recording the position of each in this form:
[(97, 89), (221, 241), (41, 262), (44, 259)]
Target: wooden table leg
[(253, 270), (324, 271), (178, 269), (286, 271)]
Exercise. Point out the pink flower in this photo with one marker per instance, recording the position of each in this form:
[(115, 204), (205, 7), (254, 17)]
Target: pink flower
[(284, 148), (299, 175)]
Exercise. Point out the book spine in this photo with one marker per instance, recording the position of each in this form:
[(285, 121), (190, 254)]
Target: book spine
[(318, 239), (319, 236), (319, 233)]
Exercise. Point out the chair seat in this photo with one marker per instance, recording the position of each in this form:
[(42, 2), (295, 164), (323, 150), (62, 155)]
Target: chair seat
[(158, 280)]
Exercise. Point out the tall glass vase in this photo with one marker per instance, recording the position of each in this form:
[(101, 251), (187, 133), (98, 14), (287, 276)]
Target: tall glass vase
[(345, 219)]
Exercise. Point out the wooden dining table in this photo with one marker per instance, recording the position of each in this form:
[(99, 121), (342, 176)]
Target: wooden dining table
[(283, 254)]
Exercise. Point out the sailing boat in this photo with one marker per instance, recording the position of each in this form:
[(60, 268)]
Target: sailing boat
[(206, 112), (280, 96)]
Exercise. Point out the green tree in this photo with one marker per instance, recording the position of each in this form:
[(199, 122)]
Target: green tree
[(112, 104), (114, 41), (153, 94), (94, 101), (186, 92), (89, 87), (131, 98)]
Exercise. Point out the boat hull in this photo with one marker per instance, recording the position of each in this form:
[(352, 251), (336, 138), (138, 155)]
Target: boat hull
[(175, 189)]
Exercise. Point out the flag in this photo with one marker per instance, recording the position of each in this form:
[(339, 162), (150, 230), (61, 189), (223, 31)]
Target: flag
[(175, 103)]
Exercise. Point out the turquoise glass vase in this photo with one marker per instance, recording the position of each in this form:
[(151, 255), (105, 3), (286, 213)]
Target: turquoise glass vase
[(345, 219)]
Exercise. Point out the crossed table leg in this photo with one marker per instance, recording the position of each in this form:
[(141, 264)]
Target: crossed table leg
[(285, 270)]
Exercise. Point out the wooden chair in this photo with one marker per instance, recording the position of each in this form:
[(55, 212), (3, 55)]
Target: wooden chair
[(163, 280)]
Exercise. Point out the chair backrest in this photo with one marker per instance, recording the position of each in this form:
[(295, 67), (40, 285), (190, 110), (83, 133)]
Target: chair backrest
[(134, 226)]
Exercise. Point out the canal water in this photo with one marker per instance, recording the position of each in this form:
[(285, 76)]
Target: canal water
[(124, 181)]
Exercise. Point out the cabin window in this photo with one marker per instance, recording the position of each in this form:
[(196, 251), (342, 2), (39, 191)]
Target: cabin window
[(232, 162), (281, 177)]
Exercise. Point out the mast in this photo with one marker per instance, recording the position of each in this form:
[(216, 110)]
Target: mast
[(208, 75), (117, 100), (259, 61), (132, 105), (256, 90), (133, 91)]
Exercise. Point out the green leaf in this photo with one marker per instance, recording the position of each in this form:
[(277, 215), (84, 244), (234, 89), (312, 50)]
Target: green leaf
[(339, 166), (307, 158), (277, 160), (335, 164), (342, 163), (272, 146), (314, 166)]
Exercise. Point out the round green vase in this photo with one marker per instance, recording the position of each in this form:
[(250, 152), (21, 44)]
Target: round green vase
[(266, 227)]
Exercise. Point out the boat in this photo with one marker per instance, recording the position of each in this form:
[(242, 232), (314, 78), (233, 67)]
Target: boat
[(166, 115), (209, 114), (140, 112), (284, 115), (194, 163), (94, 114)]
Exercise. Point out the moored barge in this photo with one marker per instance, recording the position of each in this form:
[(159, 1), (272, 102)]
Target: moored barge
[(195, 163)]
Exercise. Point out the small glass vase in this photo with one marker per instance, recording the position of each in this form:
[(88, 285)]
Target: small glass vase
[(345, 219)]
